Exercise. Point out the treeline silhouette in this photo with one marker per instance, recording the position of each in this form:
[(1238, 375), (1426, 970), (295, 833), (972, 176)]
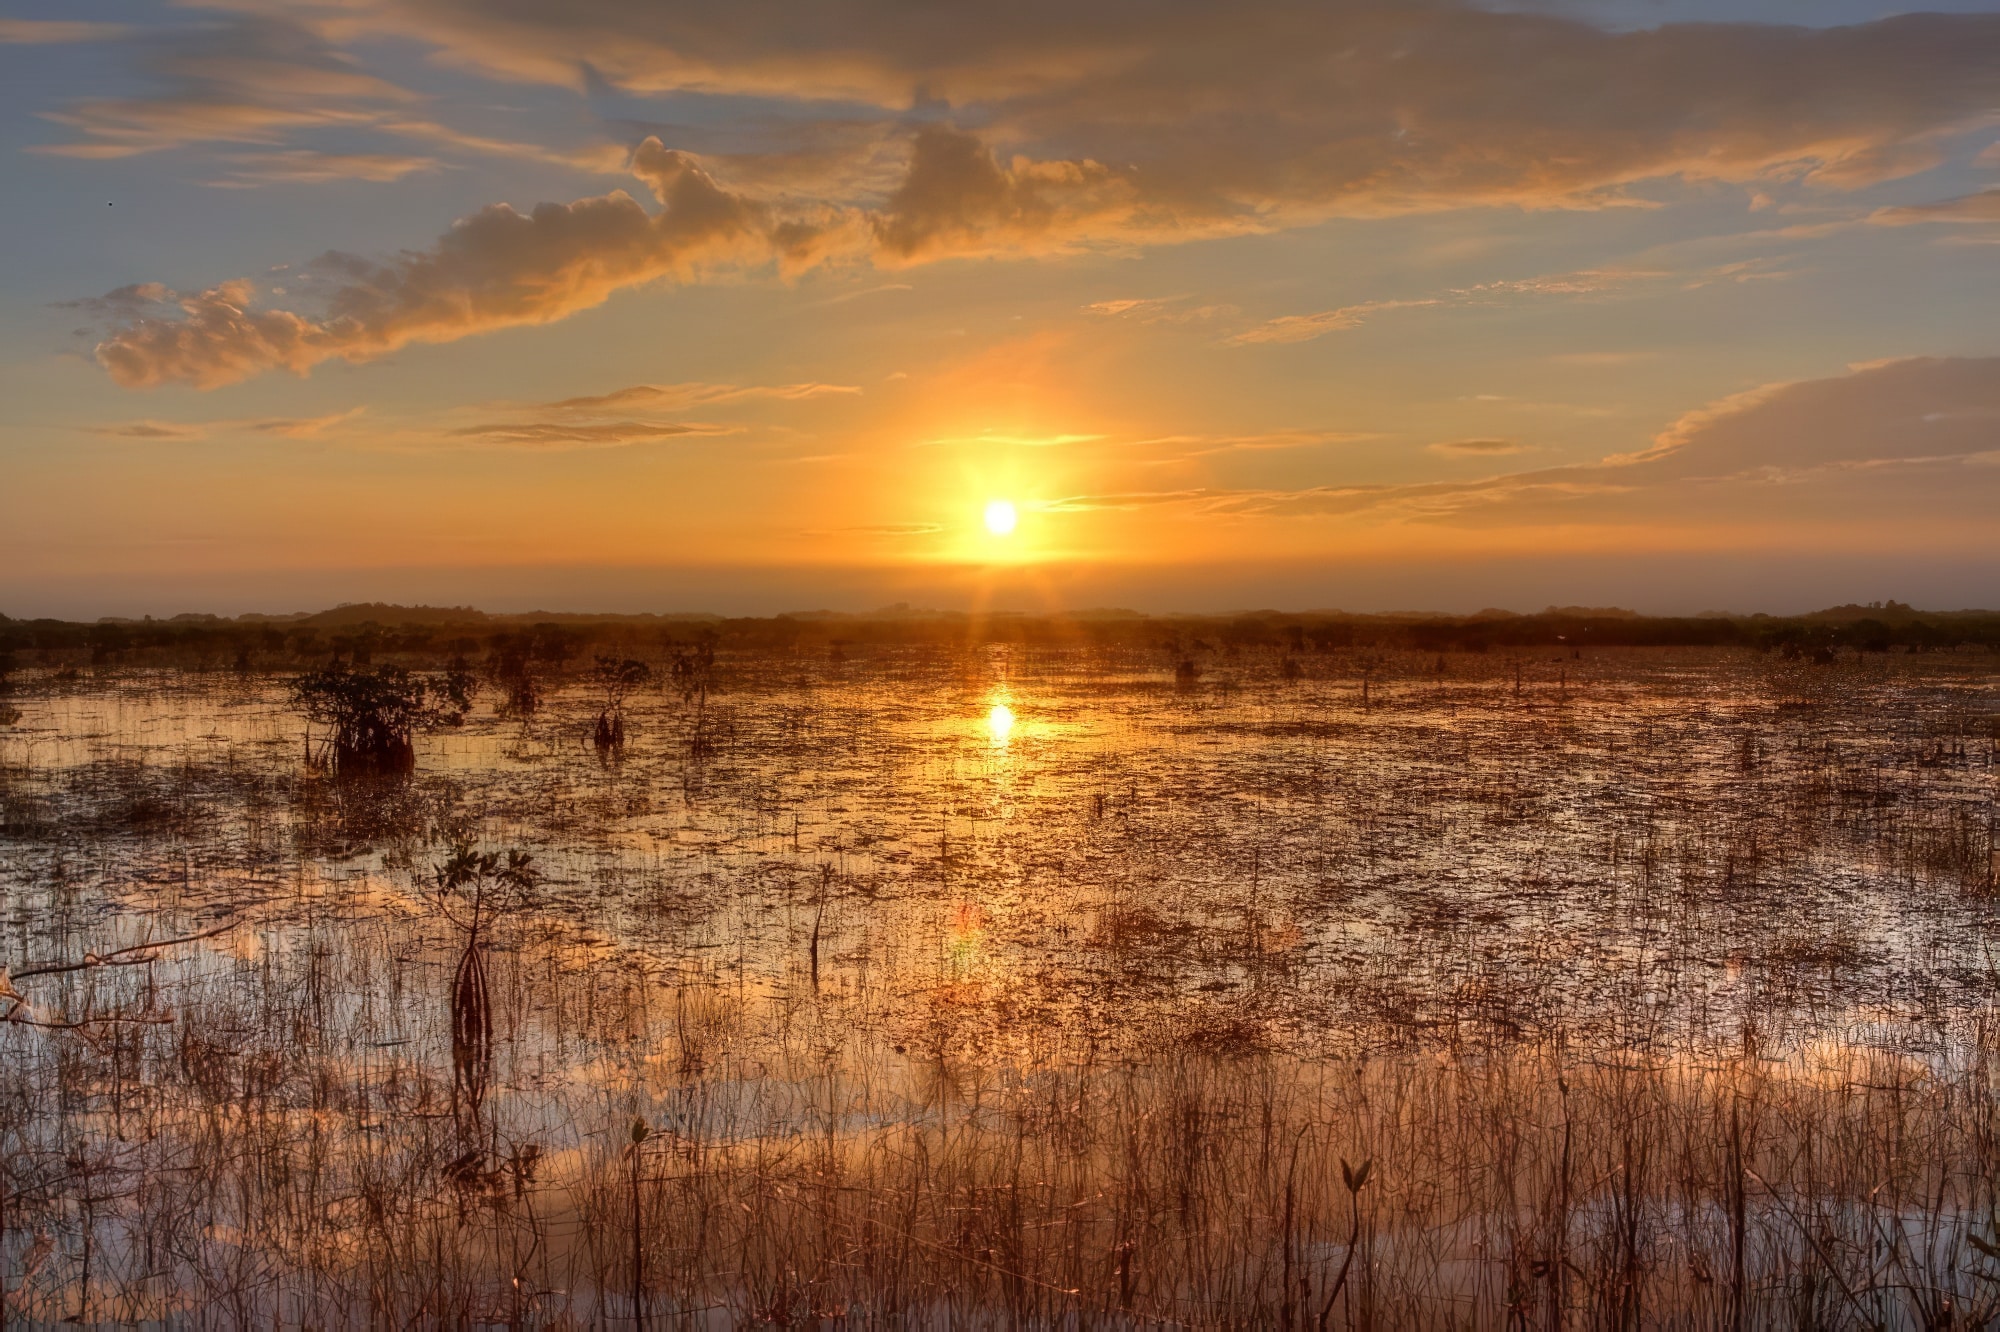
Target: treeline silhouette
[(359, 635)]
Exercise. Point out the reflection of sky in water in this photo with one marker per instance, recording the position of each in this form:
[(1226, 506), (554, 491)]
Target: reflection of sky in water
[(901, 897), (1084, 841)]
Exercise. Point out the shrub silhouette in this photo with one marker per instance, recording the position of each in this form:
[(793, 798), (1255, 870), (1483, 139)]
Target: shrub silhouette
[(519, 661), (692, 668), (373, 715), (617, 679)]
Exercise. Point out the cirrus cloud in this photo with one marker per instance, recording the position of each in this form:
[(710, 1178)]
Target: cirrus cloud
[(1877, 444)]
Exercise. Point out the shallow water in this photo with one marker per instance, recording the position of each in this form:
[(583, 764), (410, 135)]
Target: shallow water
[(854, 898), (1647, 842)]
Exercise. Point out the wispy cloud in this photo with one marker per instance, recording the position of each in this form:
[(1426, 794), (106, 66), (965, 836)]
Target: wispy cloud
[(152, 430), (58, 32), (1303, 328), (1579, 283), (1054, 441), (1983, 207), (1163, 449), (1131, 499), (303, 427), (883, 530), (569, 435), (303, 166), (1162, 310), (672, 397), (1477, 448), (248, 81)]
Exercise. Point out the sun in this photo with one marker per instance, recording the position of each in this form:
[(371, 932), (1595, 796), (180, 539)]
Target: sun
[(1001, 517)]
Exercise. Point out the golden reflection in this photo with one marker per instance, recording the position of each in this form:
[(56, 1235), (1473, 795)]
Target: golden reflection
[(963, 936), (999, 723)]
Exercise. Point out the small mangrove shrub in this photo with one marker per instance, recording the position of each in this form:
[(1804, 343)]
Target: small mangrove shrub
[(372, 715)]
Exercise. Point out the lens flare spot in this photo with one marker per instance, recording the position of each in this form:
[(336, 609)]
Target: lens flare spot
[(1001, 517)]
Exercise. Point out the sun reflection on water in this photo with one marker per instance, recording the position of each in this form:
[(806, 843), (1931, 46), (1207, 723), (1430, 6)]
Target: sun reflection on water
[(999, 724)]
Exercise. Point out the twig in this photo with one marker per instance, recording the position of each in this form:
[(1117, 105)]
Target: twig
[(112, 959)]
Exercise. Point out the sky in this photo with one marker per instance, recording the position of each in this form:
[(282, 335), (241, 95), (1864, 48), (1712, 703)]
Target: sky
[(741, 306)]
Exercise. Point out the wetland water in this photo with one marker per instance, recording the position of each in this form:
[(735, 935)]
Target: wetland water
[(949, 988)]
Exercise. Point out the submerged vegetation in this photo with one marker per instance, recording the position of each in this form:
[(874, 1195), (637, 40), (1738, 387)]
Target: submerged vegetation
[(1241, 981)]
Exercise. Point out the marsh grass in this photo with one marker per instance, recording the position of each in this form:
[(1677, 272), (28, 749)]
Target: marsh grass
[(1618, 990)]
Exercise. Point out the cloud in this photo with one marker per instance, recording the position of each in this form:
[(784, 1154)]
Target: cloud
[(1160, 310), (669, 397), (496, 269), (1477, 448), (603, 158), (1584, 282), (1042, 128), (1981, 207), (303, 166), (1148, 118), (1017, 441), (55, 32), (1131, 499), (1127, 306), (152, 430), (253, 80), (1303, 328), (302, 427), (884, 530), (1900, 441), (1129, 120), (958, 198), (287, 427), (879, 289), (570, 435), (264, 79), (1913, 444), (1183, 447), (1603, 358)]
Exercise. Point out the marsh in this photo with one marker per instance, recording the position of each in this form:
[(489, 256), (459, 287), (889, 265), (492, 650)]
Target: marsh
[(1353, 987)]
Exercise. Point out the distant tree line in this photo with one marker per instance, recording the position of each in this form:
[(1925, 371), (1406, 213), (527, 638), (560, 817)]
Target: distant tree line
[(513, 651)]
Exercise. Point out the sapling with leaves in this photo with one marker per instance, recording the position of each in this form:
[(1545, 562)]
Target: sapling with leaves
[(1356, 1179), (474, 889), (634, 1155)]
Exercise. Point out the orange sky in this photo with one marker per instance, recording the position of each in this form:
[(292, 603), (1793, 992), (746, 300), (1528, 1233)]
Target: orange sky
[(699, 307)]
